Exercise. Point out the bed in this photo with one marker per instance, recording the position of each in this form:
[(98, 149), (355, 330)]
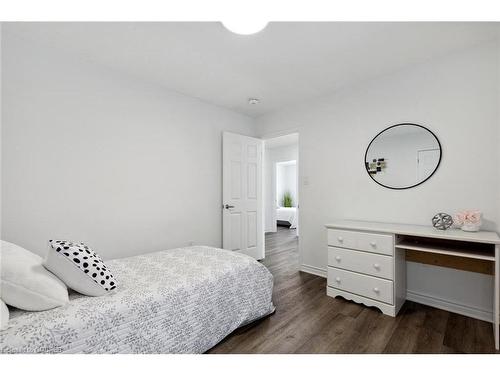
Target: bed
[(287, 215), (175, 301)]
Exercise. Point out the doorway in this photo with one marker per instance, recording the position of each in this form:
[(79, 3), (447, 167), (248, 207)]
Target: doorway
[(280, 185)]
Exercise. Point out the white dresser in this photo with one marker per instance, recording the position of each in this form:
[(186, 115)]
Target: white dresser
[(366, 260), (362, 268)]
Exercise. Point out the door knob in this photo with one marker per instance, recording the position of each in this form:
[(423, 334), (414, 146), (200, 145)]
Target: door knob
[(227, 206)]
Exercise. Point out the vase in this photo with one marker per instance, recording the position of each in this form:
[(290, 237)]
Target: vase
[(471, 227)]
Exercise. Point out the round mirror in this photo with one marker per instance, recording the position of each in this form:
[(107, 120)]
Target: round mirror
[(403, 156)]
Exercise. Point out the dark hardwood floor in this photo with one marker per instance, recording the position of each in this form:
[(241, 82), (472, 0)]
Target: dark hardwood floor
[(308, 321)]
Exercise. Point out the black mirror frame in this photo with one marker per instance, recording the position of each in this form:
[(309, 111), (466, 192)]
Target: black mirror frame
[(421, 182)]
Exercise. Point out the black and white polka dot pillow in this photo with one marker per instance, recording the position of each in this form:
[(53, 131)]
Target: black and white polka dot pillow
[(79, 267)]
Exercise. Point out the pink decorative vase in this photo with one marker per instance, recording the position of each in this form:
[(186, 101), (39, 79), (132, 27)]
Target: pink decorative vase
[(471, 227), (469, 221)]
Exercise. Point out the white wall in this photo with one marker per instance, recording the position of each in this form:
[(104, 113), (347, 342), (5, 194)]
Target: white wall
[(498, 127), (91, 155), (457, 98), (271, 157)]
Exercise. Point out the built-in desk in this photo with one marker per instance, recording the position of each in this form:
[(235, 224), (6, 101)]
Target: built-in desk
[(367, 260)]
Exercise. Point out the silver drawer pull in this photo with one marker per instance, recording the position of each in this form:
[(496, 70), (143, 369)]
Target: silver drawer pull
[(373, 244), (340, 239), (337, 279), (376, 266), (376, 290), (337, 258)]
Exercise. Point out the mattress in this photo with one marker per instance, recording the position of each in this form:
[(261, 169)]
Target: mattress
[(182, 300), (287, 214)]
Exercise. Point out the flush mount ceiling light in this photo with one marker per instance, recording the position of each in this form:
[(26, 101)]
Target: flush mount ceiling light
[(245, 26), (253, 101)]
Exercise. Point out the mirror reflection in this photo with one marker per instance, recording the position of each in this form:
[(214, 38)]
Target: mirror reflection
[(403, 156)]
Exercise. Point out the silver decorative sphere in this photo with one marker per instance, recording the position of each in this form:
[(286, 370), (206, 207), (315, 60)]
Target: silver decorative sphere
[(442, 221)]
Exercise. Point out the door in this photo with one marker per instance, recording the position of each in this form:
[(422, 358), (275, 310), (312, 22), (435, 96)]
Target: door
[(426, 162), (242, 210)]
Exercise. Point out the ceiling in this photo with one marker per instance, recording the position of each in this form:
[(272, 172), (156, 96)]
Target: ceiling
[(285, 64)]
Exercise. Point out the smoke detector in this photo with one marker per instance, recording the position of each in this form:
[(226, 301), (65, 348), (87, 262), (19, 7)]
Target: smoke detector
[(253, 101)]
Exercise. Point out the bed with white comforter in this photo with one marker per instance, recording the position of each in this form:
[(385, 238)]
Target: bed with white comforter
[(175, 301), (287, 214)]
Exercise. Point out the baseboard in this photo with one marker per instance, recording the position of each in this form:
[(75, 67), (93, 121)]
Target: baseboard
[(313, 270), (448, 305)]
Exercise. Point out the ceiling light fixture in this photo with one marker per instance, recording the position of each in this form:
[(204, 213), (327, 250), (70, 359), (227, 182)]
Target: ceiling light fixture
[(245, 26), (253, 101)]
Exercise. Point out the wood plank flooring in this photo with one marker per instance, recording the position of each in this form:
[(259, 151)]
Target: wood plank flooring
[(308, 321)]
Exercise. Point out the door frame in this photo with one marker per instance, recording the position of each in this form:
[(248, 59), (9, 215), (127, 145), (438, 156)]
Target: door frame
[(278, 134)]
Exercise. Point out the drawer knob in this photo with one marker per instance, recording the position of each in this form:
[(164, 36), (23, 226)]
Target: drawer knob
[(337, 258), (337, 279), (373, 244), (376, 266), (376, 290), (341, 239)]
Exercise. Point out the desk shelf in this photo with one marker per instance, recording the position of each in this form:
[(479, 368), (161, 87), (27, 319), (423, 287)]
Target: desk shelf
[(447, 250)]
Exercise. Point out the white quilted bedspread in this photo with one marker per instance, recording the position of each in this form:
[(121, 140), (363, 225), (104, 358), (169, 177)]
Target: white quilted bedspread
[(175, 301)]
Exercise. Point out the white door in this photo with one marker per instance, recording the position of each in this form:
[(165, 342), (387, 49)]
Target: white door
[(242, 217), (426, 162)]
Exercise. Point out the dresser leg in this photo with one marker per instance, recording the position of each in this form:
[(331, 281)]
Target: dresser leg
[(496, 303)]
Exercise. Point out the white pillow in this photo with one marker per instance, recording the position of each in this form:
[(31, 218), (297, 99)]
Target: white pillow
[(4, 315), (25, 284), (79, 267)]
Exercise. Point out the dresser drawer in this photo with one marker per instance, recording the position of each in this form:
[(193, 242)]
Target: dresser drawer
[(363, 285), (342, 238), (371, 242), (375, 243), (359, 261)]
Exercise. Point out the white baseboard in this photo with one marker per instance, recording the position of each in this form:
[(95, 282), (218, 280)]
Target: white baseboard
[(313, 270), (449, 305), (424, 299)]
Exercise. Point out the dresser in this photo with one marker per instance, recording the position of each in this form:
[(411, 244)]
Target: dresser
[(367, 260)]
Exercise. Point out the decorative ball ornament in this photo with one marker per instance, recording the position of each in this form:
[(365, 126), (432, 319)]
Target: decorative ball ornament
[(442, 221)]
